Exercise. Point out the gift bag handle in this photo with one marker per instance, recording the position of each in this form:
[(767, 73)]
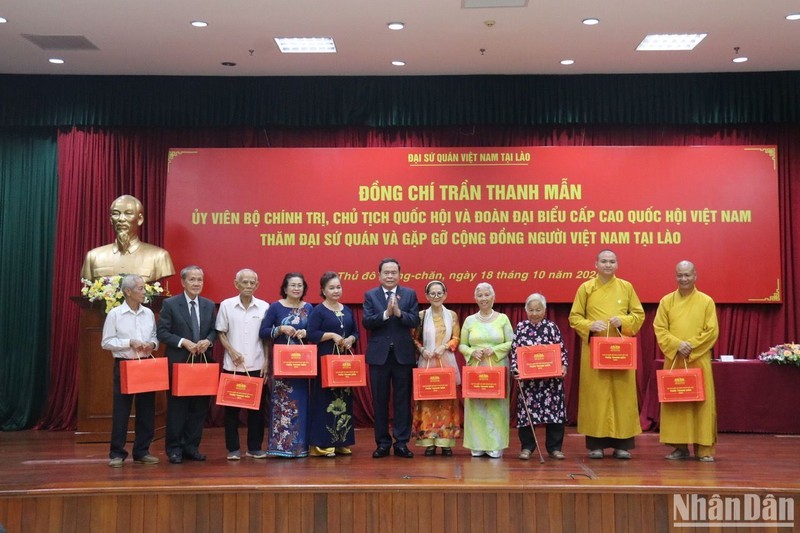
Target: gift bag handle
[(148, 356), (608, 330), (685, 366), (428, 363), (190, 359)]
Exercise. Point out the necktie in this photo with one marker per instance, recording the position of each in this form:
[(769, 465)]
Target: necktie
[(194, 322), (388, 295)]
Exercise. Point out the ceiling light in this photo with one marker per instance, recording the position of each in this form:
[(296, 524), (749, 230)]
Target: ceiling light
[(793, 16), (591, 21), (396, 26), (737, 58), (398, 63), (56, 61), (4, 20), (567, 61), (199, 24), (670, 41), (306, 45)]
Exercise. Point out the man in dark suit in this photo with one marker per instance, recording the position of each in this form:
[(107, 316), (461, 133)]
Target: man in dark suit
[(186, 328), (391, 313)]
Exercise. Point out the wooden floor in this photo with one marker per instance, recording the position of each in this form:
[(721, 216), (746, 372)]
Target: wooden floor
[(49, 483)]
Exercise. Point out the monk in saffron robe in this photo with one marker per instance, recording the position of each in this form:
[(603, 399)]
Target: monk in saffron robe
[(686, 329), (608, 410)]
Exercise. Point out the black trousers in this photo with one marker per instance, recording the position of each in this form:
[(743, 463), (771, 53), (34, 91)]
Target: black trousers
[(186, 416), (598, 443), (255, 425), (145, 420), (554, 437), (391, 379)]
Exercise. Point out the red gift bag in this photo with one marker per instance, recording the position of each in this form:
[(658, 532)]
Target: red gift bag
[(195, 379), (294, 360), (437, 383), (681, 385), (613, 353), (240, 390), (143, 375), (540, 361), (487, 382), (346, 370)]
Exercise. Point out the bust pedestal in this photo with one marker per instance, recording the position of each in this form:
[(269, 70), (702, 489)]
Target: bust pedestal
[(95, 378)]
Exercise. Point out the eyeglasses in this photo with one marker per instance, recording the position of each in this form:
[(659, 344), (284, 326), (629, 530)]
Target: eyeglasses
[(435, 294)]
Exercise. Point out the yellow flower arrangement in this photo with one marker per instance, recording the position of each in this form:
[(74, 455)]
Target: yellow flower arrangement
[(108, 289)]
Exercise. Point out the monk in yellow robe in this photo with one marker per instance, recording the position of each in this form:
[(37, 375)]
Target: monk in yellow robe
[(608, 409), (686, 329)]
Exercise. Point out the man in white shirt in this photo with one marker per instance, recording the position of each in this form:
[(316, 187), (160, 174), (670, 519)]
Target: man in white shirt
[(238, 322), (129, 332)]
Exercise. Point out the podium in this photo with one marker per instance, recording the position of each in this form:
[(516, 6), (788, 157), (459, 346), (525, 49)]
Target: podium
[(95, 378)]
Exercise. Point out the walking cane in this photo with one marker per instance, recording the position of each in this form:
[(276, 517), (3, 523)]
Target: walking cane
[(530, 420)]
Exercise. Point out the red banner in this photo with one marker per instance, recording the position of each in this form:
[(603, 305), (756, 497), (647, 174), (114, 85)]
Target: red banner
[(522, 218)]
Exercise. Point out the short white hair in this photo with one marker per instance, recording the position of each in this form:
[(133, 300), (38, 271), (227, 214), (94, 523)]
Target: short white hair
[(242, 272), (484, 285), (536, 297), (129, 281)]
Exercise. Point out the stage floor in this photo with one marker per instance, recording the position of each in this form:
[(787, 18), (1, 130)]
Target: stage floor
[(35, 462), (49, 465)]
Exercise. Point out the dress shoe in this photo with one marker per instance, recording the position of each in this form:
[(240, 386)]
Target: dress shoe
[(175, 459), (430, 451), (622, 454), (403, 451), (343, 450), (147, 460), (556, 454), (495, 454), (477, 453), (447, 452), (116, 462), (678, 454), (195, 456), (379, 452)]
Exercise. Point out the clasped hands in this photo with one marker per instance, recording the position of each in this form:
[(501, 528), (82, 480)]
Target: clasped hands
[(142, 348), (392, 307), (290, 331), (599, 326), (482, 353), (436, 353), (198, 347), (684, 349), (345, 343)]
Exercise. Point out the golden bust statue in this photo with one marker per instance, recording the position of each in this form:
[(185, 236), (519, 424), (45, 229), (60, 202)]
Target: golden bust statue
[(127, 254)]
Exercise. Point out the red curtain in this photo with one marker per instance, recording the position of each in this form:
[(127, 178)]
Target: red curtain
[(97, 165)]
